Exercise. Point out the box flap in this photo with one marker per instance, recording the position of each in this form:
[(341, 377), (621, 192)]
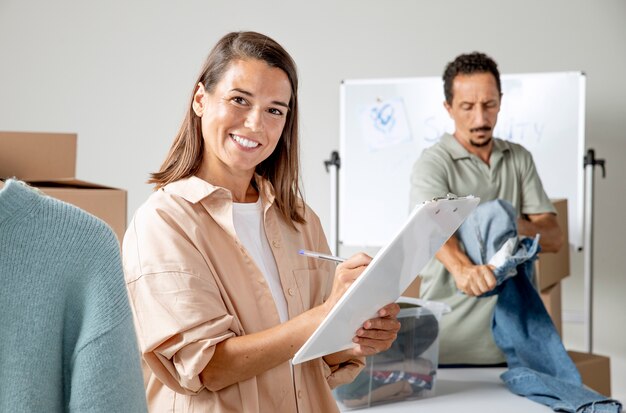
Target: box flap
[(37, 156), (68, 183)]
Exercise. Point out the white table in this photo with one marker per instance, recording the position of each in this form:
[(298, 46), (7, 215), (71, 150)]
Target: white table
[(468, 390)]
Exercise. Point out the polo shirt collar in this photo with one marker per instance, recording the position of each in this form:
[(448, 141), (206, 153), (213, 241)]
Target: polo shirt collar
[(457, 151)]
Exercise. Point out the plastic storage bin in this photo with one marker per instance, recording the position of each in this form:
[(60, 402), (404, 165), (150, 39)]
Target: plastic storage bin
[(408, 370)]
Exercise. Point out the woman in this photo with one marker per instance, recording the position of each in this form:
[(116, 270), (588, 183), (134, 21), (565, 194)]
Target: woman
[(221, 298)]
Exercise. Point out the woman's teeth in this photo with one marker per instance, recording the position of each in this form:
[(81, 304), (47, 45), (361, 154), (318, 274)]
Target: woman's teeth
[(244, 142)]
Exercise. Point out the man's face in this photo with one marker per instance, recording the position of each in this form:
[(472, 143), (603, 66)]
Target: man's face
[(474, 109)]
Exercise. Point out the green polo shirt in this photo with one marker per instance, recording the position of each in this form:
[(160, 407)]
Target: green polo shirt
[(511, 175)]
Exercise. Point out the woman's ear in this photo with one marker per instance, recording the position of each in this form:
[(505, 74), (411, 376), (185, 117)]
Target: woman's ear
[(198, 100)]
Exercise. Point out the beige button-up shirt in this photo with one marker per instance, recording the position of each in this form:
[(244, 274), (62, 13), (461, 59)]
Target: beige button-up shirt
[(192, 285)]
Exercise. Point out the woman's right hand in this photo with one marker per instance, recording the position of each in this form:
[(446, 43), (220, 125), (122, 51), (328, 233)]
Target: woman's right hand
[(345, 274)]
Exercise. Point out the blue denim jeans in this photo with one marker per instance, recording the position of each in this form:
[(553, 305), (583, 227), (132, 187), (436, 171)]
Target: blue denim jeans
[(539, 366)]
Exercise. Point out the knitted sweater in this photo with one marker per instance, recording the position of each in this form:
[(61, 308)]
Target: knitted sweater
[(67, 341)]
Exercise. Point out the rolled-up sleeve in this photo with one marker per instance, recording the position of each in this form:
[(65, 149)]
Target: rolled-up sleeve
[(342, 373), (179, 321), (179, 312)]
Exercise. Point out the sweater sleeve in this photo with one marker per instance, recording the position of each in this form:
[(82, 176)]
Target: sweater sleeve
[(106, 373)]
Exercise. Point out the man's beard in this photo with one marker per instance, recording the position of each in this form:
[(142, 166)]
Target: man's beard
[(480, 144)]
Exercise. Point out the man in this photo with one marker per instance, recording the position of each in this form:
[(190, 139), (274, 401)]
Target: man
[(472, 161)]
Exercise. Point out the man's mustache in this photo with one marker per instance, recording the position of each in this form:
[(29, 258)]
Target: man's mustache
[(481, 129)]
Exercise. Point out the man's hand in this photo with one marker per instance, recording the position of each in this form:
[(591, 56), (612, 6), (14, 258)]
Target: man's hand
[(475, 280), (472, 279)]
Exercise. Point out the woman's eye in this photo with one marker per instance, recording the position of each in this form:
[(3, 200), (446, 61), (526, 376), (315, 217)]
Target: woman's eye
[(275, 111), (239, 100)]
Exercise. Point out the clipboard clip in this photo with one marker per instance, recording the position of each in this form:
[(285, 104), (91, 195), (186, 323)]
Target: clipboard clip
[(449, 196)]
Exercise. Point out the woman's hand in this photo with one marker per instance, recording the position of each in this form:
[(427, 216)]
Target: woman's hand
[(345, 274), (377, 334), (374, 336)]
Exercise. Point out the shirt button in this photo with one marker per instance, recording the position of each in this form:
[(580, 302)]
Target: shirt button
[(299, 394), (276, 244), (291, 291)]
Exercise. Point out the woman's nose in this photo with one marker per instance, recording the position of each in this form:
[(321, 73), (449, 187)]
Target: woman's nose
[(254, 120)]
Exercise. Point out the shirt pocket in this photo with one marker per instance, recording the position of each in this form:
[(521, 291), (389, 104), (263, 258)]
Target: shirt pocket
[(314, 286)]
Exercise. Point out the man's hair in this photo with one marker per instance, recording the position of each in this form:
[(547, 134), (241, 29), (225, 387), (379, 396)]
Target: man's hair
[(467, 64)]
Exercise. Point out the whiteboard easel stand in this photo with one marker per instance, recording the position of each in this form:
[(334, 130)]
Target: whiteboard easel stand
[(590, 162), (332, 165)]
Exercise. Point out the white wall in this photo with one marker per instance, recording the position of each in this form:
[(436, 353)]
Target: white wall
[(119, 73)]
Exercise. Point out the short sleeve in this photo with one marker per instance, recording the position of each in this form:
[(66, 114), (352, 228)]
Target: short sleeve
[(428, 179), (534, 198), (178, 310)]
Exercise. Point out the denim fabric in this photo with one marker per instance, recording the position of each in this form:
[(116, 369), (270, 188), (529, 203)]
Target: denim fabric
[(486, 236), (539, 366), (544, 389)]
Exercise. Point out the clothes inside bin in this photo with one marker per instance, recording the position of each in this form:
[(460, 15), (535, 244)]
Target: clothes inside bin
[(399, 372)]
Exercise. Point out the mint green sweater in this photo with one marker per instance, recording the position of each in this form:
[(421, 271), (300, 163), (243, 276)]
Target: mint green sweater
[(67, 341)]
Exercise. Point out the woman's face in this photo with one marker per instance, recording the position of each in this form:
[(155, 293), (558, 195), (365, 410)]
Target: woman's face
[(243, 118)]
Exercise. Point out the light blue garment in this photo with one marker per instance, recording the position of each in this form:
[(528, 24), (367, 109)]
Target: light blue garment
[(485, 237), (539, 366), (67, 341)]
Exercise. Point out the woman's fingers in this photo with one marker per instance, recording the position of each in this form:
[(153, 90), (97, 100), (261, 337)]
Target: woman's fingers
[(355, 261), (377, 334)]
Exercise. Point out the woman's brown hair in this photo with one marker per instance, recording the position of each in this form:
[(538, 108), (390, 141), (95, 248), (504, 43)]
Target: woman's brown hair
[(281, 168)]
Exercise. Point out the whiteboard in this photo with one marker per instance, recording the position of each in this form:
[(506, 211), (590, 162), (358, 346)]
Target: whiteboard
[(386, 123)]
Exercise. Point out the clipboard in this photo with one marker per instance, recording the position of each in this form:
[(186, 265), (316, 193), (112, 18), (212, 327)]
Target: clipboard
[(396, 265)]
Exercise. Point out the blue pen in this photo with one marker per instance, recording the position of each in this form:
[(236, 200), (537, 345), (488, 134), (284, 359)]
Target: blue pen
[(321, 256)]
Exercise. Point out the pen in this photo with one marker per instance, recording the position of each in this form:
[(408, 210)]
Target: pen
[(321, 256)]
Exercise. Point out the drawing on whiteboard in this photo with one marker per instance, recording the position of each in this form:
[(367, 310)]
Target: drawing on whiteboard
[(385, 124)]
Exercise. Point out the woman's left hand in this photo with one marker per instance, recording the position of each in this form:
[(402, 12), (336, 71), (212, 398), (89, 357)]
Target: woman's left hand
[(377, 334)]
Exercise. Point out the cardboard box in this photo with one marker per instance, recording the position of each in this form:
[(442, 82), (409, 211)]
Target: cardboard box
[(37, 156), (106, 203), (550, 268), (408, 370), (48, 161), (595, 371), (551, 298)]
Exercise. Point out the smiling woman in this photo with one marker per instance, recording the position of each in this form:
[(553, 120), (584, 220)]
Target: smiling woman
[(222, 299), (242, 121)]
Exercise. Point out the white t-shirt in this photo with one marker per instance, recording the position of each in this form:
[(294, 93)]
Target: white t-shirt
[(248, 221)]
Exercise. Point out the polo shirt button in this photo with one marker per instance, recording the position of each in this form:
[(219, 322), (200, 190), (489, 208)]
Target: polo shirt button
[(291, 291), (299, 394), (276, 244)]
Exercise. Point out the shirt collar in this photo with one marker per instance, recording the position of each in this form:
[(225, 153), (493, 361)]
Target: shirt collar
[(194, 189), (457, 151)]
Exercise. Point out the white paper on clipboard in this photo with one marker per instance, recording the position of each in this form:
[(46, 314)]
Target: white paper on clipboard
[(396, 265)]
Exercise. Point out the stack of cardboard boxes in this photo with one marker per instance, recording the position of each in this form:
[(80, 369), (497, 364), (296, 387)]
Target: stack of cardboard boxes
[(47, 161), (550, 269)]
